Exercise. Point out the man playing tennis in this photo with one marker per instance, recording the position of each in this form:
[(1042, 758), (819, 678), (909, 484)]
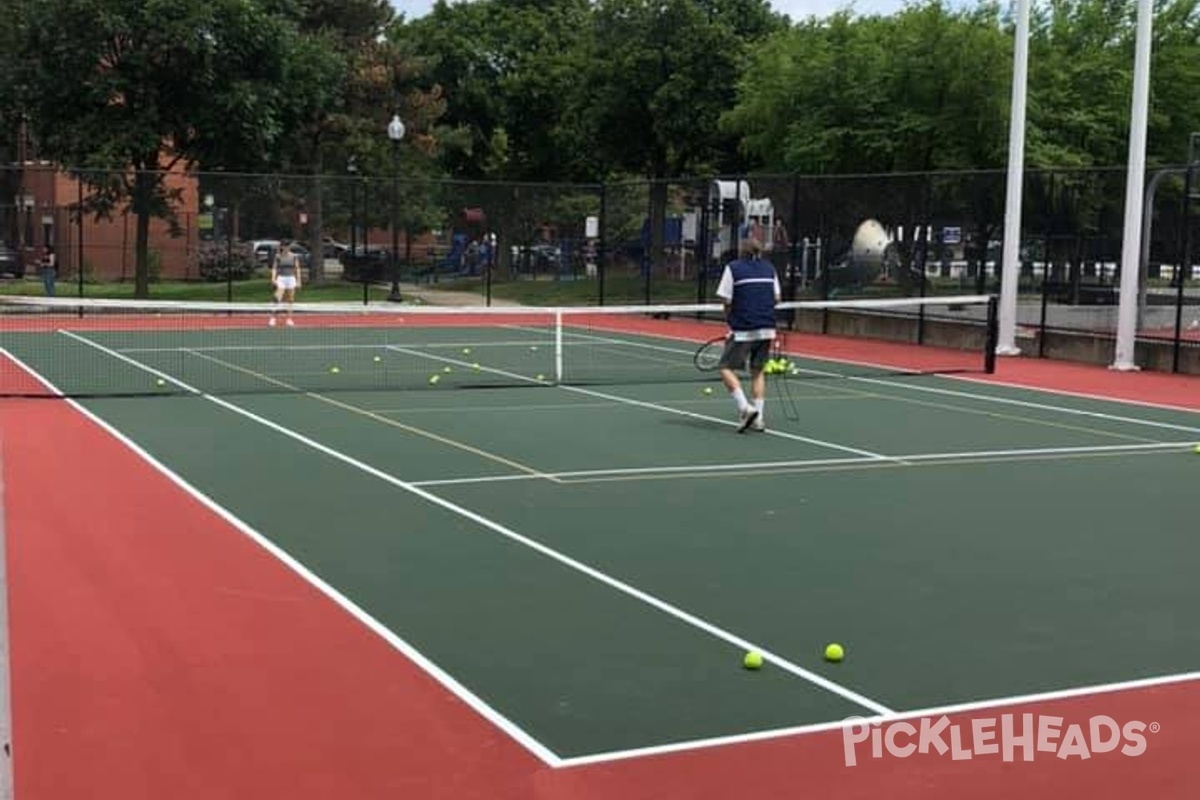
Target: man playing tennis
[(750, 289), (285, 277)]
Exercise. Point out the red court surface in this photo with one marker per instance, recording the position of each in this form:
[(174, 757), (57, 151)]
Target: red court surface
[(158, 652)]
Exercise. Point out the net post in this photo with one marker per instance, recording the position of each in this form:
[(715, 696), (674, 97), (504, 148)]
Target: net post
[(558, 346), (992, 342)]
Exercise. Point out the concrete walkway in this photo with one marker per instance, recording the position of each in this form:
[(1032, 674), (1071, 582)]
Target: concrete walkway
[(439, 297)]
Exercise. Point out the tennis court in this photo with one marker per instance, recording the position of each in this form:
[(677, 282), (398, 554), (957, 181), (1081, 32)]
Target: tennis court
[(550, 519)]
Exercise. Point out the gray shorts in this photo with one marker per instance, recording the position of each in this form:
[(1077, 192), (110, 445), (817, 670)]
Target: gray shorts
[(738, 354)]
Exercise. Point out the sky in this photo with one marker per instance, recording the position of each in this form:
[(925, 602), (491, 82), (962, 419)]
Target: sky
[(796, 9)]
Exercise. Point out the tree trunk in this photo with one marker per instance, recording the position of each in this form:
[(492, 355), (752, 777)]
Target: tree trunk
[(143, 188), (658, 217), (317, 222)]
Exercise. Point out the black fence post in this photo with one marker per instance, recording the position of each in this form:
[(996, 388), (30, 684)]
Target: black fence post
[(992, 340), (602, 242), (1184, 269), (79, 224)]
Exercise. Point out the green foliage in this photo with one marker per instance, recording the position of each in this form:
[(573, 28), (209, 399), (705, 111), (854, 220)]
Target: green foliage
[(878, 94), (505, 69), (219, 264), (138, 86)]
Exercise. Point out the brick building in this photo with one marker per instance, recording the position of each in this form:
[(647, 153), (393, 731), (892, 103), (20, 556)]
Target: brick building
[(37, 208)]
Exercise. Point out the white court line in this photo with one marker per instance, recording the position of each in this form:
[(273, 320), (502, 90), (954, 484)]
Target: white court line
[(1013, 402), (937, 711), (643, 404), (274, 348), (760, 466), (571, 563), (410, 652), (952, 392)]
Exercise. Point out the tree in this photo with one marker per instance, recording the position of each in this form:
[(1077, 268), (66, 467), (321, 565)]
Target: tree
[(153, 84), (506, 68)]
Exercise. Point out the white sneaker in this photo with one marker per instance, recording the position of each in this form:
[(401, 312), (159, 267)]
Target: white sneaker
[(758, 424), (747, 419), (271, 322)]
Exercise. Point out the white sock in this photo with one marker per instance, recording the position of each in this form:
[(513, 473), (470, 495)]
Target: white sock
[(739, 399), (758, 406)]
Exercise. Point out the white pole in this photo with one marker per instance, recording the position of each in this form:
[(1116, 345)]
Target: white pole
[(1131, 243), (1010, 274)]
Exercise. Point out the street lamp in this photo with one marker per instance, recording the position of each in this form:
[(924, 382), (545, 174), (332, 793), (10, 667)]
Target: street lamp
[(395, 132)]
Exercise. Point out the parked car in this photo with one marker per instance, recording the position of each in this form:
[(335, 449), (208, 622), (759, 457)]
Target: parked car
[(10, 261), (263, 249)]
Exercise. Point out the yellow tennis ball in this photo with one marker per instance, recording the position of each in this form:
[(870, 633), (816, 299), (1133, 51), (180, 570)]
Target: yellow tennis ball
[(447, 370), (475, 366), (753, 660), (708, 390), (334, 370), (1196, 449), (434, 378), (466, 351), (541, 377), (161, 382), (378, 359), (834, 652)]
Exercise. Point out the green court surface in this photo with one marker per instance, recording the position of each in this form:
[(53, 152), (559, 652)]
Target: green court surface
[(591, 562)]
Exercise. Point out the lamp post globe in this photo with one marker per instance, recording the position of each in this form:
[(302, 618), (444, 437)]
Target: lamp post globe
[(395, 132)]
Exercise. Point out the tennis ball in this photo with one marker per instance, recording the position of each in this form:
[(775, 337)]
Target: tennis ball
[(475, 366), (534, 347), (434, 378), (1196, 449), (834, 652), (708, 390), (161, 382), (541, 377), (466, 351), (334, 370), (753, 660), (447, 370), (378, 359)]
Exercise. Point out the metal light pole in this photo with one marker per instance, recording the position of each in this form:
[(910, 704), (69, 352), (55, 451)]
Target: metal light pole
[(395, 131)]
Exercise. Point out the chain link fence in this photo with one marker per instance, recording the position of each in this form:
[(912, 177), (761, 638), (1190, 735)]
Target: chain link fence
[(628, 242)]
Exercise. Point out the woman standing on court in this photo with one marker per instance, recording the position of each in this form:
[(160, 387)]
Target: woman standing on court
[(285, 277)]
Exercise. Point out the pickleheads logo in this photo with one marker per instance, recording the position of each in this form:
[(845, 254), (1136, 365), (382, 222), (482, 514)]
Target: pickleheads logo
[(1009, 737)]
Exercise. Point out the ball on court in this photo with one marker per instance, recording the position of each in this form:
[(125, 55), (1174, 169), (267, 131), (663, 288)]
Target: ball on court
[(466, 351), (534, 347), (1196, 449), (834, 652), (434, 378), (378, 359), (161, 382), (708, 390), (753, 660), (334, 370), (447, 370), (541, 377), (475, 366)]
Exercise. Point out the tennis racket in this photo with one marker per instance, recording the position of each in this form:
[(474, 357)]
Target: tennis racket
[(708, 356), (783, 389)]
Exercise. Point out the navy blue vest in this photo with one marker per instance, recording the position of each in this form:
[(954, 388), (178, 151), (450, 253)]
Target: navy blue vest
[(753, 304)]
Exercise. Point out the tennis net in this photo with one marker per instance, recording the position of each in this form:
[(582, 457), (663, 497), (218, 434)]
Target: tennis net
[(102, 348)]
